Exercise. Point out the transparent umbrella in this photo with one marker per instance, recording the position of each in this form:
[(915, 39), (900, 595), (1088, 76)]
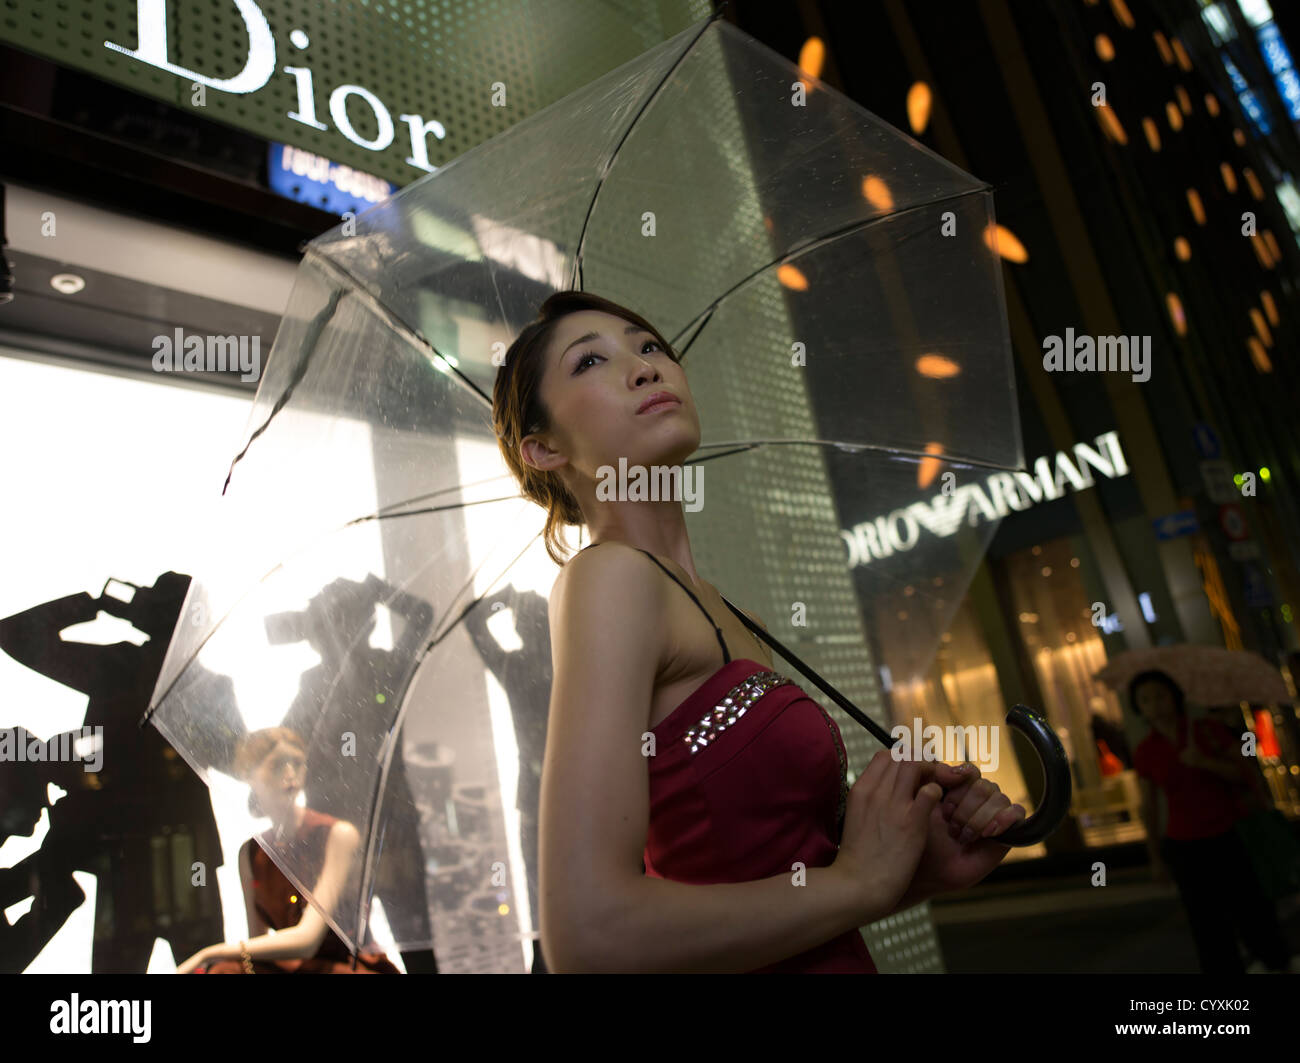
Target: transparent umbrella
[(830, 287)]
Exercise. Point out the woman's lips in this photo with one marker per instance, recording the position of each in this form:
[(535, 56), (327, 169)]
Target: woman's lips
[(662, 404)]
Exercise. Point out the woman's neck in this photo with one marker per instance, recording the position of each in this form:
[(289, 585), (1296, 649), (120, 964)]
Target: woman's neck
[(658, 527)]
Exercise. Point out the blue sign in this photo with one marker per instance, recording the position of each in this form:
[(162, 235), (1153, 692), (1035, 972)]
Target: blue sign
[(1278, 60), (1255, 585), (1172, 525), (1207, 441), (321, 183)]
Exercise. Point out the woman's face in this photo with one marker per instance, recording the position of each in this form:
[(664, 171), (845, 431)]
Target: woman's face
[(1157, 705), (279, 778), (593, 388)]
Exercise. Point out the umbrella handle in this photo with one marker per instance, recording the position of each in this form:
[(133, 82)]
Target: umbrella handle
[(1057, 784)]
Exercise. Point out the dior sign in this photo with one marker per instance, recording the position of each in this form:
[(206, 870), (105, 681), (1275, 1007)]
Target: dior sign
[(260, 65)]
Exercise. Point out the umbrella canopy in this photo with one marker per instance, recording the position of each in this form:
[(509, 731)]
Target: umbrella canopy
[(831, 288), (1208, 675)]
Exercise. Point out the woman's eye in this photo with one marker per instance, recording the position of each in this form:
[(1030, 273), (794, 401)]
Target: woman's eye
[(580, 364)]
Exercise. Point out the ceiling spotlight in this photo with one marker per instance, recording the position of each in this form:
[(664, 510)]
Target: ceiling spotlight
[(67, 283)]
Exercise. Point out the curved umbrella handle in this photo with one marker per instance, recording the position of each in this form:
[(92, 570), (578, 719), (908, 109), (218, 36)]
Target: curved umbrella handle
[(1057, 784)]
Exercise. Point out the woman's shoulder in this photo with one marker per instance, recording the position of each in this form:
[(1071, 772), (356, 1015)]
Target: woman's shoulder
[(613, 567)]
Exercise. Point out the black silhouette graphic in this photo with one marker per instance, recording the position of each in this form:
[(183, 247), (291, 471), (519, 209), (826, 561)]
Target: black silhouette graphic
[(139, 822)]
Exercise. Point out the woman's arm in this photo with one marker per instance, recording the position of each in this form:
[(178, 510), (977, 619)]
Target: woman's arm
[(598, 911), (302, 941)]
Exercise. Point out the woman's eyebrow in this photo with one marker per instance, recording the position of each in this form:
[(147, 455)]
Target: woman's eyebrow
[(596, 335)]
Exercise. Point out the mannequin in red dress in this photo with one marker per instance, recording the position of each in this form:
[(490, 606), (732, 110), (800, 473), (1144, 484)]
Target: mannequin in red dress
[(273, 760), (740, 850)]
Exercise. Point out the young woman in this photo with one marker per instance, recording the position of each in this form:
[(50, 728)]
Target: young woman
[(694, 813), (1208, 786), (273, 761)]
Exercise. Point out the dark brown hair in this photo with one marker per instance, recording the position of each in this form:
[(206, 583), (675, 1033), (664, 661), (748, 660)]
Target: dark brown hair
[(1160, 679), (518, 411)]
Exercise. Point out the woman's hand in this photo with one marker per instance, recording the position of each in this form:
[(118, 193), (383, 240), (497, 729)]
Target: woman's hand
[(199, 959), (961, 846), (885, 831)]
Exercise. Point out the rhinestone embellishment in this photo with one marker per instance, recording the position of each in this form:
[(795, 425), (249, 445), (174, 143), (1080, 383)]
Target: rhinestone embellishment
[(732, 708), (844, 776)]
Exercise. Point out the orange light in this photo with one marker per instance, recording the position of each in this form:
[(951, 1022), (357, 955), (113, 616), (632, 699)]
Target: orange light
[(1229, 178), (1274, 251), (930, 465), (1002, 241), (937, 366), (1181, 53), (1122, 13), (1174, 116), (1261, 328), (1239, 138), (1175, 307), (791, 278), (1261, 250), (919, 100), (876, 192), (1110, 124), (811, 57), (1212, 104), (1270, 307), (1152, 133), (1163, 45), (1194, 202), (1256, 189), (1259, 356), (1105, 50), (1182, 249)]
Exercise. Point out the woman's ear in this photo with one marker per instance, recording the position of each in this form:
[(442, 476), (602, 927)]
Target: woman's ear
[(538, 455)]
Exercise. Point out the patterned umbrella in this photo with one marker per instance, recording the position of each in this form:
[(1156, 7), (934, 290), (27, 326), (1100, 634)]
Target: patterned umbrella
[(1209, 675)]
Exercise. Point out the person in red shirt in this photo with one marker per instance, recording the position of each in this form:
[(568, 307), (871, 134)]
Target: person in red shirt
[(1208, 787)]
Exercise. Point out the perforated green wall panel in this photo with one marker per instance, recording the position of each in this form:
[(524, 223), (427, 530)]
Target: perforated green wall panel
[(438, 59)]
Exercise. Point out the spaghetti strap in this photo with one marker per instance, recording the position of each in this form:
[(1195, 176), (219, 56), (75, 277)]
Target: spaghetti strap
[(726, 656)]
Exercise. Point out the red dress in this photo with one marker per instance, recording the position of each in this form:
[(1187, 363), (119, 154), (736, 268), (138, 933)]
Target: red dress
[(281, 905), (763, 792), (1201, 803)]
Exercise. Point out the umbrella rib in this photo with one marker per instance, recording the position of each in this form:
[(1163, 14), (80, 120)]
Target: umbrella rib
[(796, 253), (356, 288), (576, 282), (148, 715), (957, 459), (314, 331), (363, 901), (412, 336)]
